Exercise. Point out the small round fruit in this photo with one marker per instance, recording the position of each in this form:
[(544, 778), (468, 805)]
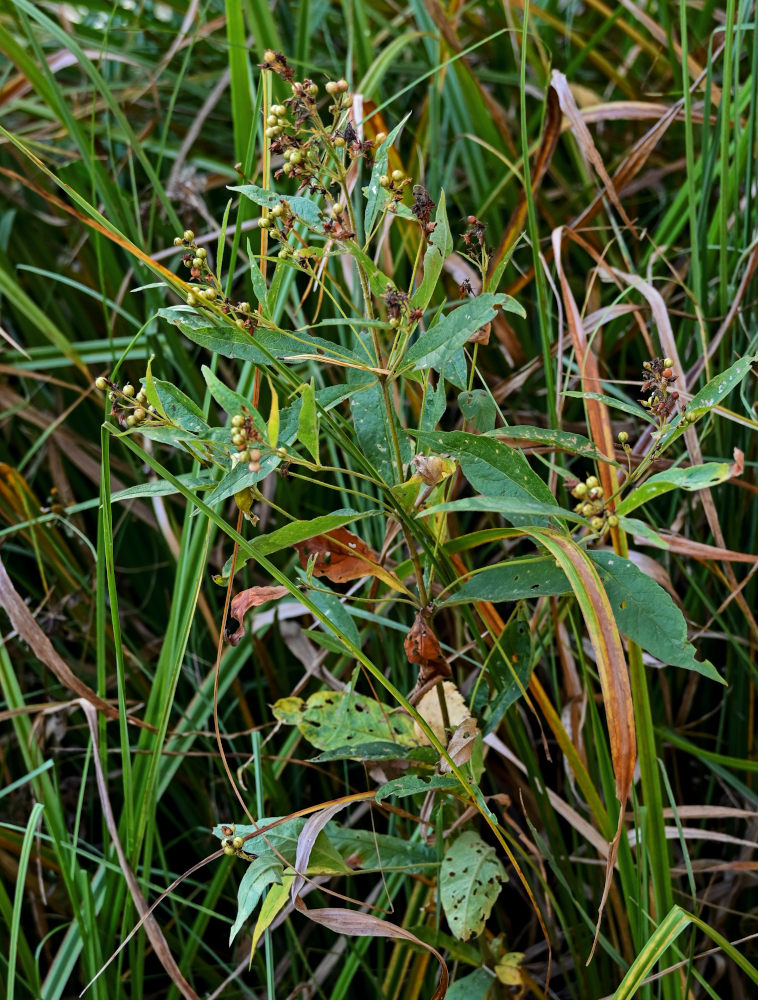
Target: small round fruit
[(272, 120), (264, 223), (140, 413), (243, 307), (587, 509), (384, 181), (188, 235), (229, 850), (597, 524), (312, 90), (332, 87), (209, 294), (278, 110), (128, 389), (238, 843), (623, 437), (131, 420), (254, 467), (101, 383), (395, 322), (579, 491), (201, 252), (269, 56), (238, 420), (197, 262), (255, 455), (191, 299), (613, 521), (667, 373), (592, 481), (342, 86), (397, 175), (380, 137), (668, 363)]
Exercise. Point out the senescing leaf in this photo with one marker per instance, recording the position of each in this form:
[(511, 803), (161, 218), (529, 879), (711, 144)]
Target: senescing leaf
[(241, 603), (470, 881), (422, 647), (341, 556)]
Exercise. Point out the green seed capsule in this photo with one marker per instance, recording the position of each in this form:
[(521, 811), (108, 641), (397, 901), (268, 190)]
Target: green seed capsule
[(397, 175), (101, 383), (128, 389), (188, 235), (140, 414), (592, 481)]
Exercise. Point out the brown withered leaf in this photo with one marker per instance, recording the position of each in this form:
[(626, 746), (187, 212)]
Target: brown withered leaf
[(460, 746), (422, 647), (482, 335), (341, 556), (241, 604)]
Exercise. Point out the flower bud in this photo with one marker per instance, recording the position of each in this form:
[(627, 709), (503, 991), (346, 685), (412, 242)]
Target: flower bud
[(623, 437)]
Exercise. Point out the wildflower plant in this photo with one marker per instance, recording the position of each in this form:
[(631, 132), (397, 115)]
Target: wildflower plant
[(372, 391)]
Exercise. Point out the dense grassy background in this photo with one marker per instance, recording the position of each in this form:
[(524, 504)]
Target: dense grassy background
[(142, 113)]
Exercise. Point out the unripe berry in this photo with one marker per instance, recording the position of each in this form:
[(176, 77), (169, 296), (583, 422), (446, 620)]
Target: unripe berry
[(623, 437), (131, 420), (394, 322), (201, 252), (613, 521), (397, 175), (272, 120), (596, 524), (579, 491), (264, 223), (278, 110), (337, 210), (229, 850), (209, 294), (238, 842), (312, 90), (197, 263), (101, 383), (139, 414), (254, 466), (587, 509), (269, 56), (255, 455), (332, 87), (339, 141), (191, 299), (380, 137), (277, 211), (592, 481), (384, 181), (238, 420), (188, 235), (668, 363), (342, 86), (272, 132), (128, 389), (178, 241)]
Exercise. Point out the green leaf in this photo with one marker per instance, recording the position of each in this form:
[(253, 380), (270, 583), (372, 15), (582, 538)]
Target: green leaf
[(377, 750), (230, 401), (511, 509), (304, 209), (711, 395), (307, 424), (272, 427), (324, 859), (275, 901), (260, 874), (259, 282), (336, 719), (162, 488), (230, 342), (470, 882), (615, 404), (574, 444), (633, 526), (380, 851), (475, 986), (179, 408), (439, 249), (375, 195), (696, 477), (413, 784), (512, 667), (479, 408), (647, 615), (436, 346), (491, 467), (374, 433)]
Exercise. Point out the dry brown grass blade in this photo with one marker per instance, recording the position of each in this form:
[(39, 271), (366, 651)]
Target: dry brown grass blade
[(614, 678), (29, 631), (154, 933), (550, 133), (599, 422), (349, 922), (560, 84)]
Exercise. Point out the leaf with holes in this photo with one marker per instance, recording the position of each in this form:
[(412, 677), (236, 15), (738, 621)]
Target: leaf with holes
[(470, 881), (332, 719), (341, 556)]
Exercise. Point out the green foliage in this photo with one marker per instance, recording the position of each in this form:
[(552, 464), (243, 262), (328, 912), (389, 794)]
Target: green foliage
[(336, 366)]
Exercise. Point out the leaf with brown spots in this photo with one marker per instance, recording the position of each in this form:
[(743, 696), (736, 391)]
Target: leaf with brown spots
[(341, 556), (253, 597), (422, 646)]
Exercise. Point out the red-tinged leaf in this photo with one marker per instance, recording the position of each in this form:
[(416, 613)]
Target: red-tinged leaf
[(241, 604), (341, 556)]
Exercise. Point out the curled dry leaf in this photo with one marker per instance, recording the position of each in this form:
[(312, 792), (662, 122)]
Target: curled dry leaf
[(422, 647), (482, 335), (253, 597), (341, 556), (461, 744)]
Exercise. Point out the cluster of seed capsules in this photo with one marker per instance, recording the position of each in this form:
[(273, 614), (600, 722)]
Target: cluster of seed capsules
[(246, 439), (128, 406), (196, 259), (592, 505), (658, 380)]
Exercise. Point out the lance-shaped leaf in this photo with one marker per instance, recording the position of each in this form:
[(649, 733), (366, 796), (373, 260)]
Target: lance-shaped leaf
[(439, 249), (696, 477), (341, 556)]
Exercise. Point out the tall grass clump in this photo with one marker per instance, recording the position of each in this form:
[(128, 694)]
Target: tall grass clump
[(378, 500)]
